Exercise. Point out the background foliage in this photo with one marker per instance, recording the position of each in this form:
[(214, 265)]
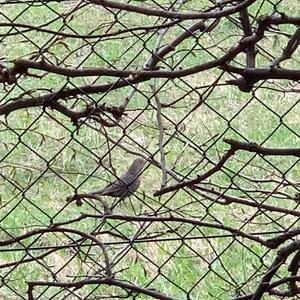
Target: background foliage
[(207, 92)]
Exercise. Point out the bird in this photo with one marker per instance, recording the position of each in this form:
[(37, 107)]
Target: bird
[(127, 184)]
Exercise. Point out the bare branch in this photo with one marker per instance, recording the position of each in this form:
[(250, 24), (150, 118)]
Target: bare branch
[(106, 281), (175, 15), (235, 146), (64, 230)]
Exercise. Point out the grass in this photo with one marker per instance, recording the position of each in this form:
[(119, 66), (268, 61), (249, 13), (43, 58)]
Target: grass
[(44, 158)]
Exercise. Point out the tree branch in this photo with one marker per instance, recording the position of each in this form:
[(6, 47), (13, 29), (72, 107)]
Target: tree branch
[(235, 146)]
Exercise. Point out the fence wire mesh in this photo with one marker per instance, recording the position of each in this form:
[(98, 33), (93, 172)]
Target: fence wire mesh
[(206, 92)]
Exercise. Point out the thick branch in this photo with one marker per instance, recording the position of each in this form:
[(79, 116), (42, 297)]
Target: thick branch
[(253, 75), (253, 147), (250, 51)]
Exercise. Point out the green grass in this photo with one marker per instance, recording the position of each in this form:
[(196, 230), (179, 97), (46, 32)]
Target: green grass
[(43, 158)]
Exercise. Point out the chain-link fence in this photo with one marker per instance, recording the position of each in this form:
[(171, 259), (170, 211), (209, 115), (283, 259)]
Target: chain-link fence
[(206, 92)]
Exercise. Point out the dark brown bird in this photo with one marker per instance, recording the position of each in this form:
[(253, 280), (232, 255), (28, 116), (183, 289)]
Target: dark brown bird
[(127, 184)]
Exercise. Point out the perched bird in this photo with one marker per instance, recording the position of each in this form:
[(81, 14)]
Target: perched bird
[(126, 184)]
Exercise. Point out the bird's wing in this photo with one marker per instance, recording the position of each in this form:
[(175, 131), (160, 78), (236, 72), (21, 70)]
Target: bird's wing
[(112, 188), (117, 187)]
